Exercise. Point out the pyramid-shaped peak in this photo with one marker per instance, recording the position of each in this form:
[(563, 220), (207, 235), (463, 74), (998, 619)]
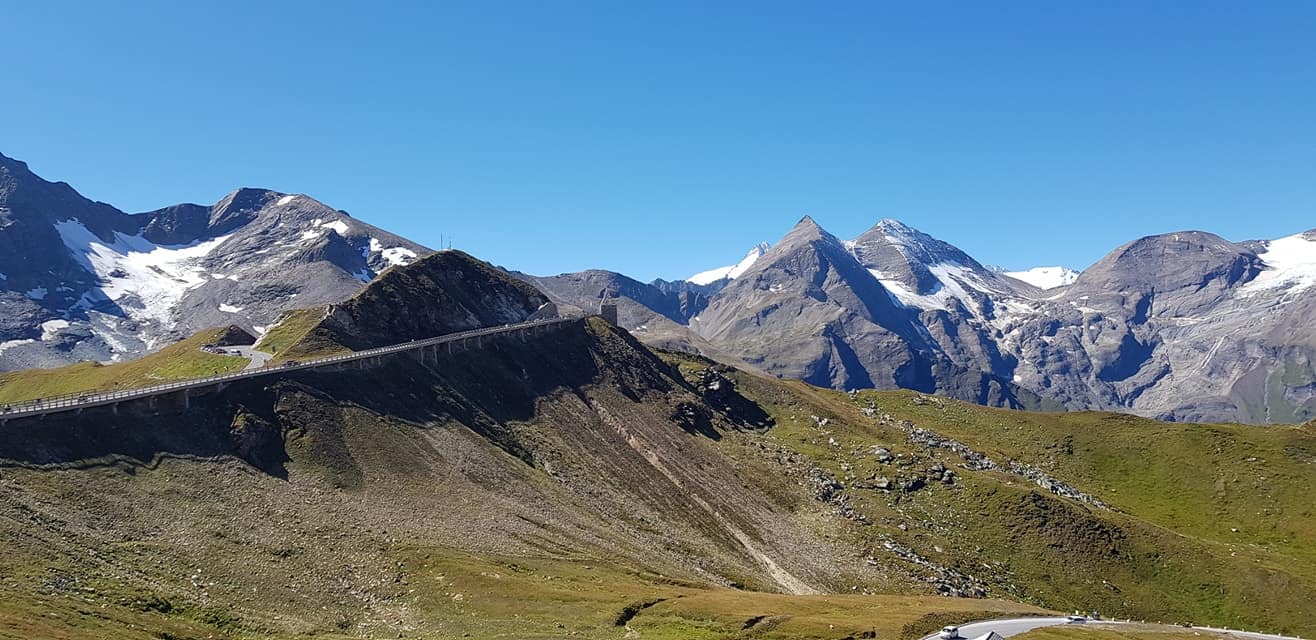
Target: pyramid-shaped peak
[(806, 230), (807, 222)]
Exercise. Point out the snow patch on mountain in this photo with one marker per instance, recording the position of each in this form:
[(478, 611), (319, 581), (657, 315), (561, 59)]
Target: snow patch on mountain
[(953, 284), (397, 256), (899, 293), (10, 344), (1291, 263), (146, 280), (336, 225), (394, 256), (732, 272), (1045, 277), (285, 200), (50, 328)]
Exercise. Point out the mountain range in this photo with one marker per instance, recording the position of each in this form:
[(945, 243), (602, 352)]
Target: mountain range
[(574, 483), (1183, 326)]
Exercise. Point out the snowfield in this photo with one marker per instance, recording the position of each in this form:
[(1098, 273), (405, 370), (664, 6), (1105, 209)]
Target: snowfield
[(732, 272), (1291, 262), (1045, 277), (146, 279)]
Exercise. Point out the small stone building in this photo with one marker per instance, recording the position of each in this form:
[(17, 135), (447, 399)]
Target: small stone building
[(608, 309)]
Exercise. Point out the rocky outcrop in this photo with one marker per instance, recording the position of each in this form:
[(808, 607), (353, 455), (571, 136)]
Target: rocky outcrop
[(977, 461), (445, 292)]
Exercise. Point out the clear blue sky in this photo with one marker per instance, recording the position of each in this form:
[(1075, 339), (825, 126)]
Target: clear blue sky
[(663, 138)]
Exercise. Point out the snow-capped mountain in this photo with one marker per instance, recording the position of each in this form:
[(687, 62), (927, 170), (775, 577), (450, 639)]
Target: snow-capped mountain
[(81, 280), (1045, 277), (732, 272), (1183, 326)]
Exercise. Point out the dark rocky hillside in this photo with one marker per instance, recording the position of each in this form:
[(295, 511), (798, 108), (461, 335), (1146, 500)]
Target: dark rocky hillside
[(445, 292)]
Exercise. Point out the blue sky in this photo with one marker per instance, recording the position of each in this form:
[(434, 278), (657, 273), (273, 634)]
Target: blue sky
[(663, 138)]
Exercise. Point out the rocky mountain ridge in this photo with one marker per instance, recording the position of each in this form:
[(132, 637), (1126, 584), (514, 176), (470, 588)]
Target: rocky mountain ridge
[(1180, 326), (82, 280)]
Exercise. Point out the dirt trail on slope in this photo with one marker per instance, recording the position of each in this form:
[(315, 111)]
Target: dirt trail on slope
[(788, 582)]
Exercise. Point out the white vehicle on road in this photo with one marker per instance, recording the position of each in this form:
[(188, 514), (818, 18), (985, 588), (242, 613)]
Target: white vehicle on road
[(949, 633)]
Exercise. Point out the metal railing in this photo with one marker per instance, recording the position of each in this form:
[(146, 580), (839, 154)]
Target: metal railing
[(74, 401)]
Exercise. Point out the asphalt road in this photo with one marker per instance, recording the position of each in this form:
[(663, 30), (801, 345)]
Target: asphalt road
[(1014, 626), (1245, 634), (258, 358), (1006, 627)]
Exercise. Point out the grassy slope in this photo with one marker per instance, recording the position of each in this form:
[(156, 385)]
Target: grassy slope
[(519, 597), (1234, 485), (294, 336), (179, 361), (440, 592), (359, 542), (1121, 632), (1168, 549), (359, 539)]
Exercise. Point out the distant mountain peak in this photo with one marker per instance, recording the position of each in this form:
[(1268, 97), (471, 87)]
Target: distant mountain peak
[(917, 245), (806, 230), (894, 226), (808, 222), (1179, 260)]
